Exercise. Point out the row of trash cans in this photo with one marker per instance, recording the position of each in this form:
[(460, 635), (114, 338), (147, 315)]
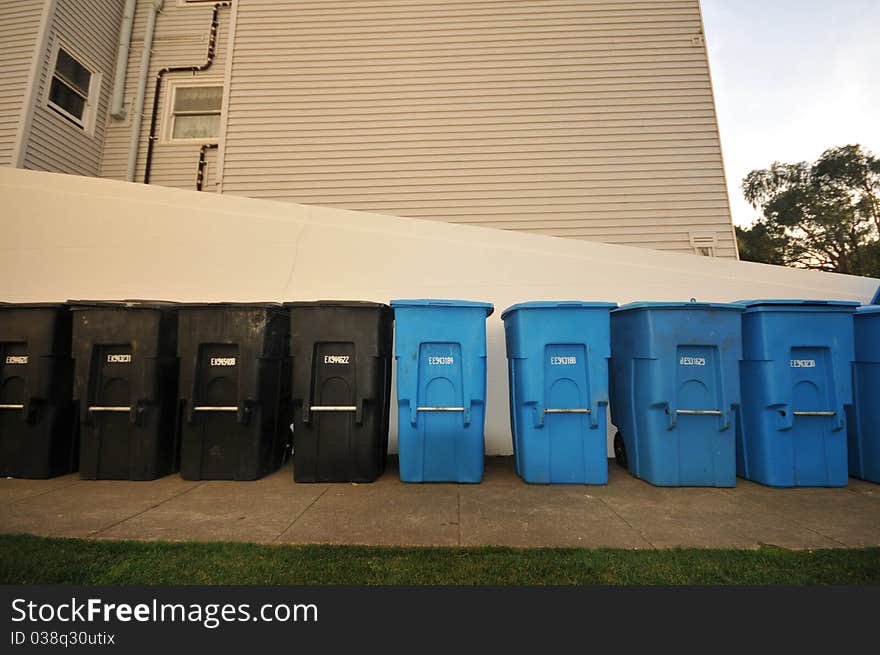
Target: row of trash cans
[(215, 390)]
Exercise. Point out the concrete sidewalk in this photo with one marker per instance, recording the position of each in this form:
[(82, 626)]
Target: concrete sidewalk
[(503, 510)]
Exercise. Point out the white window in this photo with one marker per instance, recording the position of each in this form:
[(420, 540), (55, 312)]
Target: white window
[(72, 87), (194, 112)]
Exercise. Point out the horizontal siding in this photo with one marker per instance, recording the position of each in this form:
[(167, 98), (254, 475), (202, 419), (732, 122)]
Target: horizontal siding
[(181, 39), (582, 119), (91, 30), (19, 31)]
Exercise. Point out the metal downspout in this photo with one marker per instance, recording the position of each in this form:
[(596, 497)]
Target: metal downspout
[(138, 108)]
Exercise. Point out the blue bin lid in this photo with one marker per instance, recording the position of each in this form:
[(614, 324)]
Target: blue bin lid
[(868, 309), (679, 305), (430, 302), (797, 302), (558, 304)]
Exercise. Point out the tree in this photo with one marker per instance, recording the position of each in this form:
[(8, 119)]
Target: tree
[(824, 215), (757, 244)]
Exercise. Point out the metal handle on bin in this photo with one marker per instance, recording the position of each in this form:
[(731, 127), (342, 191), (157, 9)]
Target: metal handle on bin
[(814, 413), (699, 412), (215, 408), (566, 410), (333, 408), (11, 406), (110, 408), (439, 409)]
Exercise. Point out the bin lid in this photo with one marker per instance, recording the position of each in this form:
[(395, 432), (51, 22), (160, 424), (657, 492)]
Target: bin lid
[(756, 305), (334, 303), (31, 305), (123, 304), (558, 304), (868, 309), (232, 305), (679, 305), (430, 302)]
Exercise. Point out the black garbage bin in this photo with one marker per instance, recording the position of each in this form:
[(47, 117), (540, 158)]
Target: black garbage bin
[(341, 360), (231, 360), (125, 383), (37, 416)]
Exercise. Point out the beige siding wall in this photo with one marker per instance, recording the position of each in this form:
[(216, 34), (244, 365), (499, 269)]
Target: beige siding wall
[(579, 118), (90, 30), (181, 39), (19, 31)]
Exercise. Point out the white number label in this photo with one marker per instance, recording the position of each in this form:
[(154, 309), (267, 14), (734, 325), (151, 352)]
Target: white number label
[(692, 361), (223, 361), (16, 359), (118, 359), (803, 363), (563, 361), (441, 361), (336, 359)]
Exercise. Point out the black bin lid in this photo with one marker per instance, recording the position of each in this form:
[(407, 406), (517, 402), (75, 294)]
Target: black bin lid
[(231, 305), (162, 305), (336, 303), (31, 305)]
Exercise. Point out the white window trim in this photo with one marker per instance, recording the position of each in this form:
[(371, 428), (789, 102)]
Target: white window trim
[(90, 111), (171, 86)]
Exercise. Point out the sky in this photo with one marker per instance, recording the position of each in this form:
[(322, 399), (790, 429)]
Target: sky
[(792, 78)]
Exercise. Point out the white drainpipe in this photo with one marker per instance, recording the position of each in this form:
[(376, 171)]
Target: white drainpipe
[(138, 108), (116, 105)]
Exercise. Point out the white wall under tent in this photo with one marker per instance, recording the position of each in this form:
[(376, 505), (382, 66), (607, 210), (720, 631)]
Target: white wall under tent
[(75, 237)]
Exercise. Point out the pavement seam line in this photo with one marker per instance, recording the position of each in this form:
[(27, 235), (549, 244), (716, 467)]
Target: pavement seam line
[(861, 494), (298, 516), (42, 493), (792, 521), (628, 524), (94, 533)]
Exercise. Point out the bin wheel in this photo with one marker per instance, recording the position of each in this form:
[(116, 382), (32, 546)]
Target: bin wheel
[(619, 450)]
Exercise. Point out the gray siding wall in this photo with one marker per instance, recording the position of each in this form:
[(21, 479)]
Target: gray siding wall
[(19, 31), (582, 118), (181, 39), (91, 31)]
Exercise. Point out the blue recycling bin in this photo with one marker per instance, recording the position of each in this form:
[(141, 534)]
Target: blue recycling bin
[(440, 348), (674, 390), (557, 356), (797, 383), (863, 420)]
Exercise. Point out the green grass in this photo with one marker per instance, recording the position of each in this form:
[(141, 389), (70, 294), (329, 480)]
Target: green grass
[(26, 559)]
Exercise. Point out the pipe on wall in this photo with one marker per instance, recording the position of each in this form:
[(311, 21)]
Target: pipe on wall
[(138, 108), (118, 101), (196, 68), (203, 164)]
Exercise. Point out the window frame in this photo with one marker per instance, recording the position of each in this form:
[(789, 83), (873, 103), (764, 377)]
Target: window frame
[(168, 113), (87, 122)]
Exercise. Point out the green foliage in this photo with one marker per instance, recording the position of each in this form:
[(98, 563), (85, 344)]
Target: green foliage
[(758, 244), (27, 559), (824, 215)]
